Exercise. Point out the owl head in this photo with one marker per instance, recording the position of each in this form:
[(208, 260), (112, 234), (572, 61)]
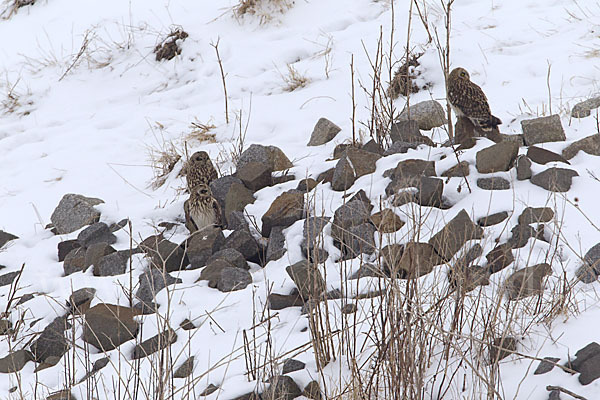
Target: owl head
[(202, 190), (459, 73), (199, 157)]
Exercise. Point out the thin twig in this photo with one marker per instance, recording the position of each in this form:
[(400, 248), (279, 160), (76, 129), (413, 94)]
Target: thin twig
[(216, 47), (565, 391)]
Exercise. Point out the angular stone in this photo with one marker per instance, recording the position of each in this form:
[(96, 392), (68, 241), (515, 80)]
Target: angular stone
[(286, 209), (185, 369), (589, 351), (359, 240), (281, 301), (546, 365), (353, 213), (80, 299), (199, 247), (555, 179), (236, 199), (15, 361), (373, 147), (312, 240), (344, 175), (523, 166), (233, 257), (455, 234), (306, 185), (117, 226), (584, 108), (75, 211), (543, 129), (527, 281), (492, 219), (493, 183), (400, 148), (281, 388), (255, 176), (408, 173), (154, 344), (6, 237), (61, 395), (408, 132), (518, 139), (278, 159), (543, 156), (268, 155), (96, 233), (589, 145), (460, 170), (340, 149), (52, 341), (211, 389), (111, 265), (532, 215), (430, 192), (417, 259), (167, 255), (308, 280), (291, 365), (323, 132), (75, 261), (499, 258), (244, 243), (151, 282), (5, 326), (498, 157), (276, 247), (231, 279), (468, 278), (65, 247), (220, 187), (387, 221), (369, 270), (107, 326), (326, 176), (312, 391), (520, 235), (502, 347), (187, 325), (429, 114), (363, 162)]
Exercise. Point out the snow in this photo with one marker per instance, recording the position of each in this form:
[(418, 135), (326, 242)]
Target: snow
[(91, 131)]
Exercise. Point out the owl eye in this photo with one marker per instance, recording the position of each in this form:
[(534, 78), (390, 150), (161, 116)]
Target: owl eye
[(463, 74)]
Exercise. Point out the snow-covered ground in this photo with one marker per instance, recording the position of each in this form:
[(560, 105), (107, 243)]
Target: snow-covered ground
[(88, 123)]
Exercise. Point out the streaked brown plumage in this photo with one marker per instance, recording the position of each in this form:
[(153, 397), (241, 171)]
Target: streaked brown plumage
[(199, 169), (201, 209), (468, 100)]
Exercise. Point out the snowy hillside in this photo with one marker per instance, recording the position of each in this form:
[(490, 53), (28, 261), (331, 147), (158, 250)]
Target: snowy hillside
[(432, 302)]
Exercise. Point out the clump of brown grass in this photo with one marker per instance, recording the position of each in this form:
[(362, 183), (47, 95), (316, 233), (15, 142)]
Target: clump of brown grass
[(12, 6), (263, 9), (168, 48), (403, 82), (163, 162), (202, 132), (294, 79)]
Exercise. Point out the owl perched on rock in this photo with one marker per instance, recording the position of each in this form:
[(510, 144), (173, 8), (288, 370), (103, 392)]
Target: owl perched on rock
[(199, 169), (201, 209), (468, 100)]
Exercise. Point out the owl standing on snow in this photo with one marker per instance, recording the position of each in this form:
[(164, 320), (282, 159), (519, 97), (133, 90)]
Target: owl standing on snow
[(201, 209), (468, 100), (199, 170)]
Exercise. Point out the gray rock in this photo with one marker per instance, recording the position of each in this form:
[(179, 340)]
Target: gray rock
[(281, 388), (429, 114), (460, 170), (582, 355), (590, 270), (368, 270), (306, 185), (387, 221), (237, 221), (326, 176), (312, 240), (308, 280), (417, 259), (281, 301), (468, 277), (231, 279), (344, 175), (532, 215), (80, 299), (589, 145), (518, 139), (587, 362), (492, 219), (499, 258), (353, 213), (8, 278), (75, 261), (268, 155), (98, 365), (373, 147), (166, 255), (400, 148), (237, 198), (323, 132), (527, 281), (286, 209), (586, 274), (152, 281), (543, 156), (523, 166), (244, 243), (96, 233), (360, 240), (349, 308), (185, 369), (255, 175), (65, 247), (408, 173), (498, 157), (220, 187), (52, 341), (107, 326), (430, 191), (95, 252), (15, 361), (232, 256), (64, 394), (5, 326), (200, 247), (502, 347), (554, 179), (521, 235), (408, 132), (546, 365), (584, 108), (493, 183), (212, 388), (276, 247), (117, 226), (6, 237), (455, 234), (543, 129), (291, 365), (111, 265), (312, 391), (363, 162), (75, 211), (156, 343), (340, 149)]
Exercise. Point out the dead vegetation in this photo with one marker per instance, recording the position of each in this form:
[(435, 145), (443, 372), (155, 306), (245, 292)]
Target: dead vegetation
[(403, 83), (11, 7), (294, 79), (169, 47), (265, 10)]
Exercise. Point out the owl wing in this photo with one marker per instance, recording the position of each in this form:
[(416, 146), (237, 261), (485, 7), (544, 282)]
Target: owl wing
[(189, 222), (218, 216), (475, 104)]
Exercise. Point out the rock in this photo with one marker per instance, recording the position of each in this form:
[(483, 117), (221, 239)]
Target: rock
[(584, 108), (306, 185), (286, 209), (111, 265), (185, 369), (187, 325), (493, 183), (281, 388), (98, 365), (590, 270), (291, 365), (61, 395), (209, 390), (589, 145), (492, 219), (543, 156), (499, 258), (107, 326), (387, 221), (587, 362), (468, 277), (527, 281), (25, 298), (543, 129), (373, 147), (523, 166), (360, 239), (154, 344), (532, 215), (75, 211), (15, 361), (340, 149), (276, 247), (502, 347), (233, 257), (152, 281), (231, 279), (498, 157), (312, 240), (417, 259), (464, 133), (323, 132), (344, 175), (281, 301), (349, 308), (255, 175), (518, 139), (429, 114), (220, 187), (363, 162), (555, 179), (369, 270), (8, 278), (430, 192), (96, 233), (353, 213), (521, 235), (52, 341), (80, 300), (96, 252), (308, 280), (237, 222), (586, 274), (268, 155), (244, 243), (408, 173), (6, 237), (65, 248), (460, 170), (199, 247), (75, 261), (546, 365), (312, 391), (326, 176), (408, 132), (591, 350), (400, 148), (470, 256), (166, 255), (455, 234), (5, 327), (114, 227), (236, 199)]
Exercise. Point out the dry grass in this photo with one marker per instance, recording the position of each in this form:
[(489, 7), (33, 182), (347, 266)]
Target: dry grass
[(201, 132), (264, 10), (294, 79)]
